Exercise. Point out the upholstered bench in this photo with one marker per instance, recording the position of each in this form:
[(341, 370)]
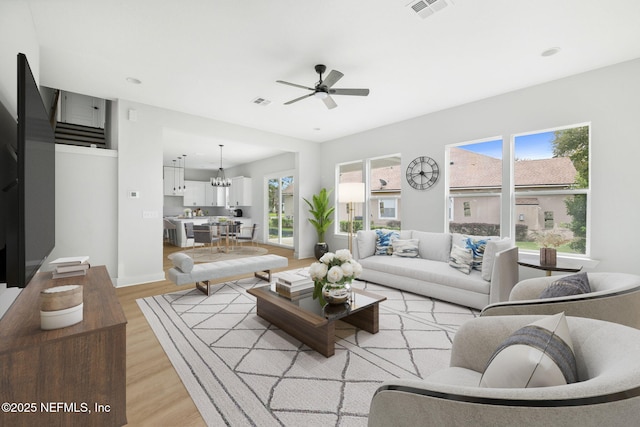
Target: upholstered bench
[(185, 271)]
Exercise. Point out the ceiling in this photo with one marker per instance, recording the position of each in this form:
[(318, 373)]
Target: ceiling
[(212, 58)]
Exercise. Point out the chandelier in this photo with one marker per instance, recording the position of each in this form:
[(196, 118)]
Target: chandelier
[(221, 180)]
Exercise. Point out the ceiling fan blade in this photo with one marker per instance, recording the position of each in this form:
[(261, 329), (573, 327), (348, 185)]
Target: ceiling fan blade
[(332, 78), (354, 92), (299, 99), (329, 102), (294, 85)]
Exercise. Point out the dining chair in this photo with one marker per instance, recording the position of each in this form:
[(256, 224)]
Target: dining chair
[(248, 237), (205, 234)]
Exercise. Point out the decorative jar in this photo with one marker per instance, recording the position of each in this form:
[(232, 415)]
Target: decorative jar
[(334, 293)]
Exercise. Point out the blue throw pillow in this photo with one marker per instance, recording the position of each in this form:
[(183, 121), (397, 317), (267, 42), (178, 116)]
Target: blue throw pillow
[(383, 241), (477, 247)]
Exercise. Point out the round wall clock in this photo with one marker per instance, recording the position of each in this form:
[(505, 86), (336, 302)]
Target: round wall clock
[(422, 172)]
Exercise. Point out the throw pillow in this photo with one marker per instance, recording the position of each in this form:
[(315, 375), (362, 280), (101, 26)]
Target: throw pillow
[(366, 242), (434, 246), (405, 248), (477, 246), (538, 355), (182, 262), (461, 259), (383, 241), (575, 284)]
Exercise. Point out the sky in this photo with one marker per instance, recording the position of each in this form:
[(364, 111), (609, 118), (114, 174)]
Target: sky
[(529, 147)]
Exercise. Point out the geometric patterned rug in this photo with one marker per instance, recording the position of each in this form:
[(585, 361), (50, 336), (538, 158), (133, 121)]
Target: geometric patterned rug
[(240, 370)]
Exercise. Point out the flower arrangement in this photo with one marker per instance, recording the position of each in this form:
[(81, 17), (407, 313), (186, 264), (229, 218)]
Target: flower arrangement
[(332, 269), (550, 239)]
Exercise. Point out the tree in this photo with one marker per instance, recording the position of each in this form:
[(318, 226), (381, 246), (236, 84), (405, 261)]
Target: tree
[(574, 143)]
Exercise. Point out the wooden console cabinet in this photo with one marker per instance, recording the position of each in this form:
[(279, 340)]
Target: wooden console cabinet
[(74, 376)]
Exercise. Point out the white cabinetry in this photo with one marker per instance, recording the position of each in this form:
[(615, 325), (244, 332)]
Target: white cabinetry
[(240, 192), (213, 196), (173, 177), (194, 193)]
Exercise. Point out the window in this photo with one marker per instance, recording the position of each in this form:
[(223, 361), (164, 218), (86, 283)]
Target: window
[(549, 176), (383, 189), (349, 172), (475, 185), (387, 208)]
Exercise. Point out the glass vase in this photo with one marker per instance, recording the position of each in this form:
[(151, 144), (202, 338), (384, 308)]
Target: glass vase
[(334, 293)]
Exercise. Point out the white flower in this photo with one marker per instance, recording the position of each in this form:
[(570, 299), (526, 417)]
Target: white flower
[(335, 274), (347, 269), (318, 271), (327, 258), (343, 255), (357, 269)]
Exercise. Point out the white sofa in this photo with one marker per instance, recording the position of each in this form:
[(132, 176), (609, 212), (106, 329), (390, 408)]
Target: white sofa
[(431, 275)]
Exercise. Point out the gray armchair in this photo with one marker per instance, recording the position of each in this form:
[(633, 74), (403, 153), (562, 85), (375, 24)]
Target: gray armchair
[(615, 297), (608, 391)]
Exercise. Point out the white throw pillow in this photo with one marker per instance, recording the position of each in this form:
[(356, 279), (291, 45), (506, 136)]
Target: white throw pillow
[(366, 241), (461, 259), (434, 246), (538, 355), (493, 247), (182, 262), (405, 248)]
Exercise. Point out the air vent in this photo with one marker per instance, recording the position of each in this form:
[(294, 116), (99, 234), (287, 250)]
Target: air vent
[(426, 8), (261, 101)]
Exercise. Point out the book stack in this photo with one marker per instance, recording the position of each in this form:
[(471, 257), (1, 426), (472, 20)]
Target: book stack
[(294, 284), (70, 266)]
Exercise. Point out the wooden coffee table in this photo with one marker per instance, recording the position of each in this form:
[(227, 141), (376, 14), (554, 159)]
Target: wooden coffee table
[(307, 321)]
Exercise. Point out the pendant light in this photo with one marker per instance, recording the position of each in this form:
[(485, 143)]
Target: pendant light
[(184, 170), (180, 167), (174, 176), (221, 180)]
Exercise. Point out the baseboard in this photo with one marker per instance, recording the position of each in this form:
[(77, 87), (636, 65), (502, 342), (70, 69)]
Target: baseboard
[(121, 282)]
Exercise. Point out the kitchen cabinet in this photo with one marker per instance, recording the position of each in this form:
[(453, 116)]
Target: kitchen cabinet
[(214, 196), (240, 192), (173, 177), (194, 193)]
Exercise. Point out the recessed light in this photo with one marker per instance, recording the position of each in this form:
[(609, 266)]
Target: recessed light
[(316, 129), (134, 81), (551, 51)]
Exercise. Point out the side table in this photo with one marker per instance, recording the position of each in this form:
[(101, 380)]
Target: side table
[(549, 268)]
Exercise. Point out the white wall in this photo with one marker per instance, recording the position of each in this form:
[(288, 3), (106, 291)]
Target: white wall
[(17, 35), (86, 215), (607, 98)]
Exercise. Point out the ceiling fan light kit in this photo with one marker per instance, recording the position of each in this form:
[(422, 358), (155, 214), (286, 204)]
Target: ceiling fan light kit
[(324, 88)]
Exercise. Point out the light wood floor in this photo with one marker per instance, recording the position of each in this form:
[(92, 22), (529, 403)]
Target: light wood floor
[(155, 393)]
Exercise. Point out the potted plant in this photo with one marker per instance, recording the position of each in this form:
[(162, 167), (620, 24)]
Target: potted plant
[(321, 211), (549, 241)]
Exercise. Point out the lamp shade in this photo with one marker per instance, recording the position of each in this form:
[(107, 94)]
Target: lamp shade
[(351, 192)]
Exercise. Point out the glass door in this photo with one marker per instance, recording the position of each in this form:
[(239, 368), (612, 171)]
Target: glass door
[(280, 210)]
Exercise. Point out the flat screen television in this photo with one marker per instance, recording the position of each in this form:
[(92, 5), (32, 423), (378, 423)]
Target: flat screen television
[(28, 196)]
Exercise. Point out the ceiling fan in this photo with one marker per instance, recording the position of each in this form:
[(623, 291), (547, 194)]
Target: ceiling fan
[(324, 88)]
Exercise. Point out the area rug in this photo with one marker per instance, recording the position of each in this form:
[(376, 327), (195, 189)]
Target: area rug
[(205, 254), (240, 370)]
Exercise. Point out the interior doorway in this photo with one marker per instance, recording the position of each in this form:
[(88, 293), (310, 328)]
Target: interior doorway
[(279, 212)]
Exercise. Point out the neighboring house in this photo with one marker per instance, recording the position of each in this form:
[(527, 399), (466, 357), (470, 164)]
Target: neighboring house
[(477, 173)]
